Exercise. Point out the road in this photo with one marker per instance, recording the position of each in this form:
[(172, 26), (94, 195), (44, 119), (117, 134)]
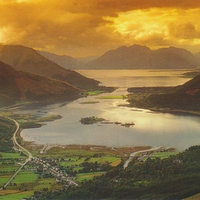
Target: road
[(29, 158), (20, 147), (139, 152)]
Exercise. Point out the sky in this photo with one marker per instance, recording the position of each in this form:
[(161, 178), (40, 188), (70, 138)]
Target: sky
[(81, 28)]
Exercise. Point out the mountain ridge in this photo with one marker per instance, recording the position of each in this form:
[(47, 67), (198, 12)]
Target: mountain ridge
[(64, 61), (142, 57), (29, 60), (17, 86)]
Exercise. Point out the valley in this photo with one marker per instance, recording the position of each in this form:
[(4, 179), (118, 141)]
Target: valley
[(73, 133), (99, 100), (78, 155)]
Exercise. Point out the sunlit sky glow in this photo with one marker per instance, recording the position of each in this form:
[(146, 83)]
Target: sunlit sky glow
[(90, 27)]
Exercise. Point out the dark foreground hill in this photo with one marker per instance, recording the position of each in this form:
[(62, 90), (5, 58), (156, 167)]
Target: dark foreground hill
[(141, 57), (29, 60), (184, 97), (17, 85)]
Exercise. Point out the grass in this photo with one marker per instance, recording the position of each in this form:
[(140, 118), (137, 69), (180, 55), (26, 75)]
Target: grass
[(163, 155), (28, 181), (87, 176), (89, 102), (4, 179), (93, 93), (49, 118), (17, 195), (73, 161), (26, 177), (112, 97), (104, 159), (76, 169), (65, 153), (115, 163), (47, 183), (10, 155), (8, 168)]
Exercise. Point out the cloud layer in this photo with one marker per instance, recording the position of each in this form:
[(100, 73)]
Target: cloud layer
[(89, 27)]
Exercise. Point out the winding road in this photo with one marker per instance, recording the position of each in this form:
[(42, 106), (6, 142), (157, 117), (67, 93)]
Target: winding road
[(28, 159), (20, 147)]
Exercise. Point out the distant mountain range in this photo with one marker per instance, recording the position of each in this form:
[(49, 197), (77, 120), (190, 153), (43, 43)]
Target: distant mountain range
[(133, 57), (141, 57), (18, 85), (29, 60), (68, 62), (64, 61)]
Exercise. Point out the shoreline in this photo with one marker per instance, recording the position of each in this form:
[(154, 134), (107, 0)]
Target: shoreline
[(176, 111), (123, 151)]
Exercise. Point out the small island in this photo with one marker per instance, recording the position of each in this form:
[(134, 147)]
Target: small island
[(93, 120)]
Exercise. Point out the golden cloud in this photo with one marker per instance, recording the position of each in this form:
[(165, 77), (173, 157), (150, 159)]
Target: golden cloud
[(80, 28)]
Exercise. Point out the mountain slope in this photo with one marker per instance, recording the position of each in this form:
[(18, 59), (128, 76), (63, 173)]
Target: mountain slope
[(197, 56), (28, 60), (141, 57), (64, 61), (17, 85), (185, 97)]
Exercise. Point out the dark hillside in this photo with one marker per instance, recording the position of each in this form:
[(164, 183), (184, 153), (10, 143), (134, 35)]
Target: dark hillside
[(184, 97), (17, 85), (29, 60)]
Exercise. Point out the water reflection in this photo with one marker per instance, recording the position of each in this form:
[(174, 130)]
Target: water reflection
[(151, 128)]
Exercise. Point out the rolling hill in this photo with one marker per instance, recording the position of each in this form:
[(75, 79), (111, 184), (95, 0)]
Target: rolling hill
[(185, 97), (18, 85), (29, 60), (141, 57)]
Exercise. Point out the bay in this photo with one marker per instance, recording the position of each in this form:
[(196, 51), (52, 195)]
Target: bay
[(151, 128)]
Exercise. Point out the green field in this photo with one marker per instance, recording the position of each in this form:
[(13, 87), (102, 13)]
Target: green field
[(26, 177), (18, 195), (71, 160), (87, 176), (93, 93), (104, 159), (4, 178), (89, 102), (5, 155), (163, 155), (112, 97)]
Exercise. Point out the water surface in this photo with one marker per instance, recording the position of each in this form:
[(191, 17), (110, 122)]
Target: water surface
[(151, 128)]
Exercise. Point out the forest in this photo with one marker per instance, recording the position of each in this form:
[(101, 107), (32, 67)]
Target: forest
[(7, 128)]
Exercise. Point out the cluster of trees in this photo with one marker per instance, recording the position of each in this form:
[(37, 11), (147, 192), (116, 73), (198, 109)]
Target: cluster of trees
[(7, 128), (176, 177), (91, 120), (94, 167)]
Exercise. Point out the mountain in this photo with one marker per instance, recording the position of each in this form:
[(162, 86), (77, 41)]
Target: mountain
[(18, 85), (64, 61), (197, 56), (141, 57), (29, 60), (87, 59), (185, 97)]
